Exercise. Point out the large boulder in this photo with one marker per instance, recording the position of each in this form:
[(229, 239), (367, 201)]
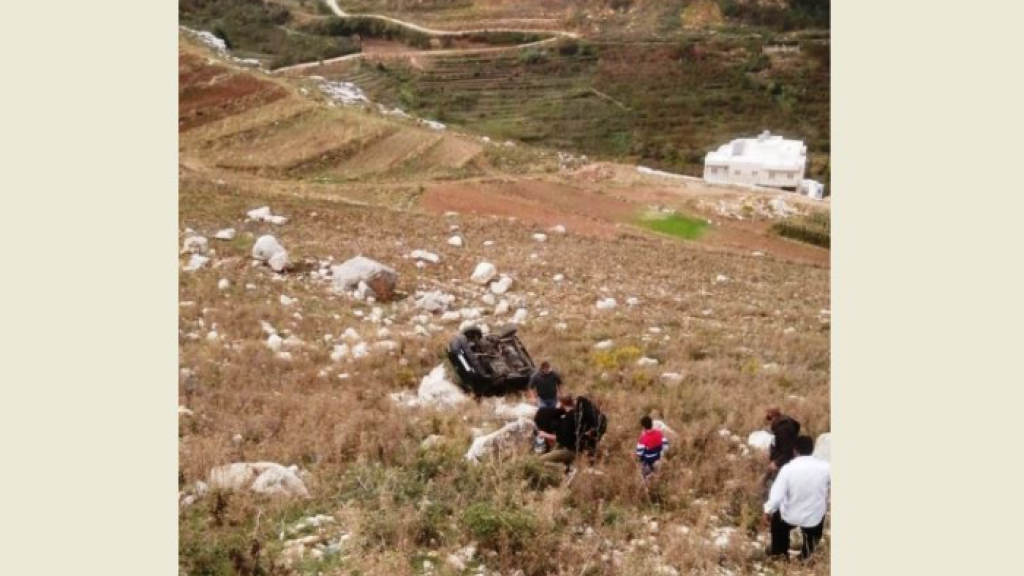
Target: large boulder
[(380, 279), (260, 477), (269, 251), (512, 434), (823, 447)]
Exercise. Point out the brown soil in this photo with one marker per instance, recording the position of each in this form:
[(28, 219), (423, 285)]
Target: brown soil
[(209, 92)]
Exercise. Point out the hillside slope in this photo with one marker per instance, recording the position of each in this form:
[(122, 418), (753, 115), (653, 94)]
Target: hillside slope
[(736, 320)]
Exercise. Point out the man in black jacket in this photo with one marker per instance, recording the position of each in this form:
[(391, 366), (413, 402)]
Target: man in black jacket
[(786, 431), (579, 430)]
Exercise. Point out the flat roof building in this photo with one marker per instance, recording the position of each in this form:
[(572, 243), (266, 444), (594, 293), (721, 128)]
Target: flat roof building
[(768, 160)]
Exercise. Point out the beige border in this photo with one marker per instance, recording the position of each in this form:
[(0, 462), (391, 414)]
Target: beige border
[(926, 287), (89, 347)]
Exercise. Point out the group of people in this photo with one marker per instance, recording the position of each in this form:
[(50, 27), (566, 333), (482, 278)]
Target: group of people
[(797, 486), (796, 483)]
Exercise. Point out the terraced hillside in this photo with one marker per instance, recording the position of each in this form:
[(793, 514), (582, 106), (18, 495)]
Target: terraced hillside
[(662, 104)]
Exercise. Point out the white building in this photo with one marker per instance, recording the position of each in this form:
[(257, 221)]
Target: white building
[(767, 160)]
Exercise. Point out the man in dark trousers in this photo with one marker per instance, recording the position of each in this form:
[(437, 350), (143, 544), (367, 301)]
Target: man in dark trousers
[(798, 499), (545, 386)]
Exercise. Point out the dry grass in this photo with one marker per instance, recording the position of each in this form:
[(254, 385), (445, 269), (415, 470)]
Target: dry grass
[(758, 338)]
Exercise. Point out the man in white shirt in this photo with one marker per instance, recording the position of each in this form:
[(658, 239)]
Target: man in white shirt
[(798, 499)]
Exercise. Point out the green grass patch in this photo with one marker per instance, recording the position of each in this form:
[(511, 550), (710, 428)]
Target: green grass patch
[(675, 225)]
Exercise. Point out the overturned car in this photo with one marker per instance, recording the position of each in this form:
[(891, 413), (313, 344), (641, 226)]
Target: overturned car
[(491, 364)]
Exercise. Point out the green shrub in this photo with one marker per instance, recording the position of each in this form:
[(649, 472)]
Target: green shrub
[(495, 528), (815, 228)]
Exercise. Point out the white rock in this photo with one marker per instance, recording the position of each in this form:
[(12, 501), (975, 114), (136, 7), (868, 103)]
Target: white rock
[(520, 316), (511, 435), (351, 335), (558, 229), (647, 362), (212, 336), (561, 326), (434, 302), (223, 284), (489, 299), (632, 301), (502, 308), (672, 378), (721, 279), (455, 241), (287, 300), (261, 477), (263, 215), (386, 345), (502, 285), (607, 304), (488, 242), (274, 342), (195, 245), (360, 350), (540, 237), (266, 248), (484, 273), (196, 262), (182, 411), (225, 234), (451, 316), (515, 412), (823, 447), (340, 352), (559, 277), (278, 262), (378, 277), (604, 345), (425, 256), (761, 440)]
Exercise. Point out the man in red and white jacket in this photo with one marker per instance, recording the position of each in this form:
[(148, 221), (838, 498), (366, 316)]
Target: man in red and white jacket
[(650, 446)]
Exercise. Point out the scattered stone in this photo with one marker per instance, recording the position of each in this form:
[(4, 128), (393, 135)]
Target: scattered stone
[(451, 316), (194, 245), (520, 316), (632, 301), (502, 308), (360, 350), (268, 250), (274, 342), (761, 440), (604, 345), (488, 243), (511, 435), (263, 214), (182, 411), (261, 477), (287, 301), (223, 284), (646, 362), (561, 326), (558, 229), (502, 285), (340, 352), (540, 237), (434, 302), (607, 304), (721, 279), (672, 378), (823, 447), (380, 279), (425, 256), (225, 234), (196, 262), (558, 277), (484, 273)]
